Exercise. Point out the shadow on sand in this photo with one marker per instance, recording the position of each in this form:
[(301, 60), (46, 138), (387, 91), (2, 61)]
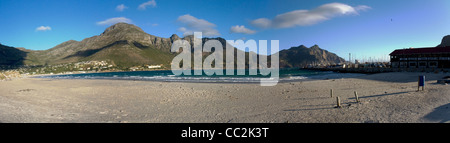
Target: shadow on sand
[(440, 114), (380, 95), (310, 109), (313, 107)]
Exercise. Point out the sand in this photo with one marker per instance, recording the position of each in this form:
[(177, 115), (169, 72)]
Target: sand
[(385, 98)]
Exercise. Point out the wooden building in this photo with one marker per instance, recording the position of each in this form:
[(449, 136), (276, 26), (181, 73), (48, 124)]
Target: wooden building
[(435, 57)]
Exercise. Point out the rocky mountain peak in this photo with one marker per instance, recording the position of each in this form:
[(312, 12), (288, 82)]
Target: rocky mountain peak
[(315, 47), (122, 28), (174, 37), (301, 56), (298, 47), (445, 41)]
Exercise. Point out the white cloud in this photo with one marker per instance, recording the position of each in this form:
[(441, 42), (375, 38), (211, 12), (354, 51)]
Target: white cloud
[(43, 28), (261, 23), (362, 8), (144, 6), (114, 20), (121, 7), (185, 31), (191, 24), (241, 29), (308, 17), (182, 29)]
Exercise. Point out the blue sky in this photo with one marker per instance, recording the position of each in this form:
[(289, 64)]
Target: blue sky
[(365, 28)]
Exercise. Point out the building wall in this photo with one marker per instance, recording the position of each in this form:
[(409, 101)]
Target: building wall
[(421, 61)]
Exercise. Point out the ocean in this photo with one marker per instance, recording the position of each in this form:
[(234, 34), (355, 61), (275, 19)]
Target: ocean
[(286, 75)]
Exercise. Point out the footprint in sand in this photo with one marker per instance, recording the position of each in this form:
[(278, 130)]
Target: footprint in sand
[(26, 90)]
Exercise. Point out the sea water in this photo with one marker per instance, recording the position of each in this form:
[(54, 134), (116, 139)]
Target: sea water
[(286, 75)]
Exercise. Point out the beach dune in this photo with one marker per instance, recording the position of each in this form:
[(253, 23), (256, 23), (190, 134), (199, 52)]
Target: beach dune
[(384, 98)]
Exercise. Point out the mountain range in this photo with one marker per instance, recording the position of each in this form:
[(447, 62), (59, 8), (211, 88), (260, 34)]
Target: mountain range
[(126, 45)]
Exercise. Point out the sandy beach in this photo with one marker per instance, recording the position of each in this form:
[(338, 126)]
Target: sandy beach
[(385, 98)]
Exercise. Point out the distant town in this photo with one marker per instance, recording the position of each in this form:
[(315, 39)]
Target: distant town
[(70, 68)]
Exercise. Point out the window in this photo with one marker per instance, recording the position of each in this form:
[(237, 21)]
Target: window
[(422, 64), (433, 64), (432, 58), (422, 59), (403, 64), (412, 64), (394, 64)]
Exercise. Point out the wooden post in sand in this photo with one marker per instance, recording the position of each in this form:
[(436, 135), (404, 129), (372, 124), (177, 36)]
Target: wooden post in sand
[(356, 97), (338, 102), (418, 84), (331, 93)]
